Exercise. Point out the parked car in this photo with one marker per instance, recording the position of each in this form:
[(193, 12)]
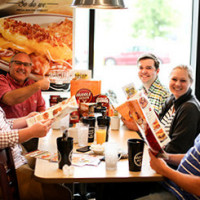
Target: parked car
[(130, 56)]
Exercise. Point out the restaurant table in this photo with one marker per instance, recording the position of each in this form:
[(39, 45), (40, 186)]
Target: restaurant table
[(48, 172)]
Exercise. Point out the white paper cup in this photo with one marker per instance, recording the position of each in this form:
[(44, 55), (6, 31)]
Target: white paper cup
[(115, 123)]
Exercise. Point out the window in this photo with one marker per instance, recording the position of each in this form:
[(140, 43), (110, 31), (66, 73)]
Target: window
[(81, 35), (161, 27)]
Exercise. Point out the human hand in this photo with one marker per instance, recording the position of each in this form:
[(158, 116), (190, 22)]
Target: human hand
[(157, 164), (31, 114), (131, 125), (40, 129), (44, 83)]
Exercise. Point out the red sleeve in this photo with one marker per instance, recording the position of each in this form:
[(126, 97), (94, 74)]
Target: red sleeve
[(4, 85), (41, 103)]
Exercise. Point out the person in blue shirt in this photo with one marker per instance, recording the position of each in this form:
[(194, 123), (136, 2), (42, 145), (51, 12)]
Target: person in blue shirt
[(183, 183)]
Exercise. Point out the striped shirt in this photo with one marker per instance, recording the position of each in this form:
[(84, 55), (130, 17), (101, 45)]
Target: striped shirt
[(157, 95), (190, 164), (167, 120), (10, 138)]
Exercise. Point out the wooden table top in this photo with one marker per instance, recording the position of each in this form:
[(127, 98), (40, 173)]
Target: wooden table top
[(48, 172)]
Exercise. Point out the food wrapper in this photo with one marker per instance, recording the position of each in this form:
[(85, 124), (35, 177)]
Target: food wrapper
[(56, 112), (140, 110)]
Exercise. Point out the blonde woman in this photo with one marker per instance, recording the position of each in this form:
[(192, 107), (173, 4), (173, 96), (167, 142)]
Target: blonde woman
[(180, 114)]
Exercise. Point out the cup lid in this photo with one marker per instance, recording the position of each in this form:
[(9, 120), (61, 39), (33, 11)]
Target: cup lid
[(89, 120)]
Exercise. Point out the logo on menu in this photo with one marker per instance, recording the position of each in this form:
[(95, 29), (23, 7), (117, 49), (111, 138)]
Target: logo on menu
[(102, 99), (84, 96), (138, 159)]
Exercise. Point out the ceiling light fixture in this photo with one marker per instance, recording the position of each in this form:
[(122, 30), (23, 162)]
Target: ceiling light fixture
[(98, 4)]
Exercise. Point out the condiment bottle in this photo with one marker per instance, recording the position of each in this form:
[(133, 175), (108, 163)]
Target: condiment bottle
[(115, 121)]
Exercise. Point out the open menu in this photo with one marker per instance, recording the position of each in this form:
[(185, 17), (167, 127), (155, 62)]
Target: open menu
[(138, 108), (56, 112), (78, 159)]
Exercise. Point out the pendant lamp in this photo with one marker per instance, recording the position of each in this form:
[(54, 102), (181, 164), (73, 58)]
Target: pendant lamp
[(98, 4)]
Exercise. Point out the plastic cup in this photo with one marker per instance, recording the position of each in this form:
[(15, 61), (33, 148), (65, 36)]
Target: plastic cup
[(83, 135), (111, 155), (101, 134)]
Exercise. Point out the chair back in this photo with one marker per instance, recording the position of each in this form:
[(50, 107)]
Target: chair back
[(8, 177)]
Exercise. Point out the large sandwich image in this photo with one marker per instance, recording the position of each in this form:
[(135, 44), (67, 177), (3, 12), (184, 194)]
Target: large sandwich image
[(50, 48)]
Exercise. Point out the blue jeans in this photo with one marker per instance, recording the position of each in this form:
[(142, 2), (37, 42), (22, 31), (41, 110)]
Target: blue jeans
[(161, 195)]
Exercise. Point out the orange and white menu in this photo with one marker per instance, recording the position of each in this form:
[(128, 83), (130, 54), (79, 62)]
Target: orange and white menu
[(56, 112), (138, 108)]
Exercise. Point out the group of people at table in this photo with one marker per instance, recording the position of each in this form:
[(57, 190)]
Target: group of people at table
[(178, 111)]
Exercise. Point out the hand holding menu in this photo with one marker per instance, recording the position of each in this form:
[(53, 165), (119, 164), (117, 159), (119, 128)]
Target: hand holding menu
[(140, 110), (56, 112)]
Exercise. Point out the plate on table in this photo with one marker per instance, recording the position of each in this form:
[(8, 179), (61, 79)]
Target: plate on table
[(97, 149)]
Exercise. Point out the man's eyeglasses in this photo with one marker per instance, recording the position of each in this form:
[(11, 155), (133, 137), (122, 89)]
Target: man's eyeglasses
[(26, 64)]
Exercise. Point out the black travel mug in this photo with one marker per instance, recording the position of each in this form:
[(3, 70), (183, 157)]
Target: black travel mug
[(91, 122), (135, 154), (65, 148)]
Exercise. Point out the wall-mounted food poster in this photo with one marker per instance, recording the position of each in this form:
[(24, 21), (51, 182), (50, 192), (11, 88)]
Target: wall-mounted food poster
[(41, 28)]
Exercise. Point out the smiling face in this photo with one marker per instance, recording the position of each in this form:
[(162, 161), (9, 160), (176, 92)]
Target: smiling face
[(147, 71), (20, 67), (179, 82)]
